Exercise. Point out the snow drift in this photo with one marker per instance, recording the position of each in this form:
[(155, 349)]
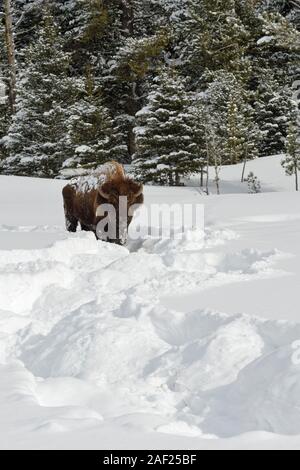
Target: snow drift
[(93, 338)]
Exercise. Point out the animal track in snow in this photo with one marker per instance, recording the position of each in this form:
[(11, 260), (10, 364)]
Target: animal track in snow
[(92, 314)]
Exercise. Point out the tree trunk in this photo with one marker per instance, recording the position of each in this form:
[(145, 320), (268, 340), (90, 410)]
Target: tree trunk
[(217, 181), (296, 177), (244, 170), (177, 179), (207, 162), (131, 141), (11, 54), (127, 17), (245, 164), (202, 177), (207, 178), (217, 171)]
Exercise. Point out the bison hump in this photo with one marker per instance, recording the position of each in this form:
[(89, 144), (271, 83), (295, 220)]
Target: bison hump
[(98, 177)]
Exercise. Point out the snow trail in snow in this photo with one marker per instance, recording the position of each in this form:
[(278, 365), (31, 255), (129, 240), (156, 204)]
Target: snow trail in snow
[(86, 316)]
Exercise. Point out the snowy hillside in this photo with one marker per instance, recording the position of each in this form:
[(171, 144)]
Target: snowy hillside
[(163, 344), (269, 171)]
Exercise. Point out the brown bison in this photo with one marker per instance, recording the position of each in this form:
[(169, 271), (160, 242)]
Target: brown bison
[(94, 201)]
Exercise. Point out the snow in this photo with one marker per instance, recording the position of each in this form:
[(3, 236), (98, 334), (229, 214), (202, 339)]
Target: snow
[(93, 180), (274, 181), (2, 93), (265, 40), (83, 149), (172, 344)]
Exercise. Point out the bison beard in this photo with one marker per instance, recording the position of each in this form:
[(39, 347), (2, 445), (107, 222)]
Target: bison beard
[(107, 198)]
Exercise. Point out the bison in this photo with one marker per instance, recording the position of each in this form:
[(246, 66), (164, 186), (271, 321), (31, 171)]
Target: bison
[(88, 199)]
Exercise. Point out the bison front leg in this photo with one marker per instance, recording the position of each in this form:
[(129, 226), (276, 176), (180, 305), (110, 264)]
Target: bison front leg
[(71, 223), (85, 228)]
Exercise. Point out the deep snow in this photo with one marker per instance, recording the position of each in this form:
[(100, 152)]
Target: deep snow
[(162, 344)]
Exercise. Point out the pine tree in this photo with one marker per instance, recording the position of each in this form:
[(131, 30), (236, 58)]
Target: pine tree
[(287, 8), (36, 140), (208, 149), (91, 131), (218, 39), (201, 158), (87, 26), (229, 102), (236, 134), (126, 82), (243, 135), (254, 186), (272, 108), (119, 39), (281, 32), (255, 43), (164, 133), (291, 163), (278, 47), (215, 102), (11, 53)]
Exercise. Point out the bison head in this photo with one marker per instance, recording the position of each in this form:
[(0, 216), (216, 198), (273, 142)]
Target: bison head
[(120, 196)]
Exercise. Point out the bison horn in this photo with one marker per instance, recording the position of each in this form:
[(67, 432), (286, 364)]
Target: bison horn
[(103, 194), (140, 191)]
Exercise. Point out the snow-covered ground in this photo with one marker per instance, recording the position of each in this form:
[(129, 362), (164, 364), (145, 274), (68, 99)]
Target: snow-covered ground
[(163, 344)]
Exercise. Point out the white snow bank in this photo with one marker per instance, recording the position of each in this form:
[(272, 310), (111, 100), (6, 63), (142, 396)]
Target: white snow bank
[(268, 170), (111, 347), (94, 323)]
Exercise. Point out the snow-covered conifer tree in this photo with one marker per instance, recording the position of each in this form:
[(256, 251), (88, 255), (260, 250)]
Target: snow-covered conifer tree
[(126, 82), (230, 104), (217, 38), (166, 148), (243, 135), (236, 134), (37, 139), (272, 108), (291, 163), (254, 186), (92, 133)]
